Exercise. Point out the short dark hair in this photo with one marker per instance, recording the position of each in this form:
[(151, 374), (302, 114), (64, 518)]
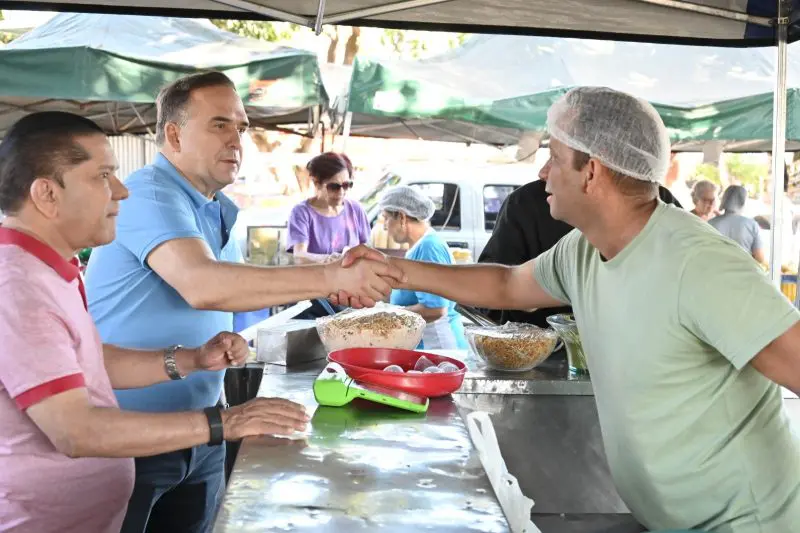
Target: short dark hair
[(40, 145), (173, 98), (325, 166), (627, 185)]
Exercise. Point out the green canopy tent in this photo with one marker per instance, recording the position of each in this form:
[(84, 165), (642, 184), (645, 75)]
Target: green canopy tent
[(110, 68), (707, 22), (702, 93)]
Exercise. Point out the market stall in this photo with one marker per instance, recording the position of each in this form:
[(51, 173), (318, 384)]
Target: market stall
[(556, 452)]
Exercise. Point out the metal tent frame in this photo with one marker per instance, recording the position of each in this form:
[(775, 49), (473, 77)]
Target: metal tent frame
[(732, 22)]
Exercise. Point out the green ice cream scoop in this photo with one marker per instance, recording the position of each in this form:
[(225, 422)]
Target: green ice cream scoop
[(333, 387)]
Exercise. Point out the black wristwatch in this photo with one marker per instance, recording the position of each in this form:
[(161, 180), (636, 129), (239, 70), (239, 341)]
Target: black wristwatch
[(214, 415)]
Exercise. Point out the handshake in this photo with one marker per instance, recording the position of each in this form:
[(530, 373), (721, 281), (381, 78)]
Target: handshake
[(362, 277)]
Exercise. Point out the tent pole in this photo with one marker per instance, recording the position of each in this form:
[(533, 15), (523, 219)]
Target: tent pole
[(269, 12), (320, 15), (381, 10), (683, 5), (779, 140)]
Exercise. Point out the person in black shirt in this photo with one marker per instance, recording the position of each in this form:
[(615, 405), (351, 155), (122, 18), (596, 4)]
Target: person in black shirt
[(523, 231)]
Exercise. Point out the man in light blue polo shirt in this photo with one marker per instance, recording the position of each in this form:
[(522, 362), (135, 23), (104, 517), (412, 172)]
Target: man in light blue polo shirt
[(173, 277)]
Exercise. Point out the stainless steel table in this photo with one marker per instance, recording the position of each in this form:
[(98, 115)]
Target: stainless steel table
[(360, 470), (369, 471)]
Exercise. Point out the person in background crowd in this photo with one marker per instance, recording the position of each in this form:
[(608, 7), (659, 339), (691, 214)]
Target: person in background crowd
[(329, 223), (734, 225), (323, 227), (524, 230), (65, 445), (704, 196), (172, 278), (406, 213)]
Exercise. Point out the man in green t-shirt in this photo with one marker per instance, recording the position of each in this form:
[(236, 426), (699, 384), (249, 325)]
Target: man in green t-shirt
[(687, 341)]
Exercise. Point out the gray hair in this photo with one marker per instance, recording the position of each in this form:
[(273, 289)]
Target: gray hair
[(174, 98), (733, 199), (701, 187)]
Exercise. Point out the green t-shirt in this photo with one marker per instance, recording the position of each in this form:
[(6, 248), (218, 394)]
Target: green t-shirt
[(695, 437)]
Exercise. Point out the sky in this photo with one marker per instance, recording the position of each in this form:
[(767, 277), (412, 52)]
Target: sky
[(26, 18)]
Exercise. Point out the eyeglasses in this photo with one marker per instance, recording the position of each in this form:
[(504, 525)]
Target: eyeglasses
[(336, 187)]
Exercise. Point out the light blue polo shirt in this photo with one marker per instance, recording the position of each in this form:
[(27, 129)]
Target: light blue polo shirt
[(134, 308), (432, 248)]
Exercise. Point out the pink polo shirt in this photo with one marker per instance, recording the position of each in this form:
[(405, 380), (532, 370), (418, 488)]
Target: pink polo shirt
[(49, 345)]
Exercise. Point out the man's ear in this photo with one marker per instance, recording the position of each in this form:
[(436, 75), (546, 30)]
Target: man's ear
[(172, 136), (591, 174), (44, 194)]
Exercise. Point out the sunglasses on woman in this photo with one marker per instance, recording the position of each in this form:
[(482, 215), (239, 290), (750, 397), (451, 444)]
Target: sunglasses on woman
[(336, 187)]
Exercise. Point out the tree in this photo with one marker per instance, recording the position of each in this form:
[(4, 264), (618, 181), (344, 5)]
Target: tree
[(707, 172), (266, 31), (344, 42), (748, 173), (415, 44)]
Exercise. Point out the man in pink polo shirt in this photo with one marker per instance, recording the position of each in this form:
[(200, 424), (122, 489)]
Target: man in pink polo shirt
[(65, 446)]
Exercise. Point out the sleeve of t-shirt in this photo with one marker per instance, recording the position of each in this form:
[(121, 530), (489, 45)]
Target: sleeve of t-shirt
[(758, 244), (728, 302), (363, 225), (429, 251), (551, 268), (298, 229), (153, 215), (38, 359)]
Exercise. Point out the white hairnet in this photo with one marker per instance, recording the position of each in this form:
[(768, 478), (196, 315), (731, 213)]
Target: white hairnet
[(408, 200), (625, 133)]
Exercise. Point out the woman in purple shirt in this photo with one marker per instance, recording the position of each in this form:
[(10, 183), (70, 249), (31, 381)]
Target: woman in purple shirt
[(329, 223)]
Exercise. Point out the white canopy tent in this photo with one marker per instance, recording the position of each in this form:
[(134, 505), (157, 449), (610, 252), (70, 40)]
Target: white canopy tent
[(717, 22)]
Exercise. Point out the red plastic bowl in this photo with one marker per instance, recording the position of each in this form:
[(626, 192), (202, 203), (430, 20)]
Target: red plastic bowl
[(367, 364)]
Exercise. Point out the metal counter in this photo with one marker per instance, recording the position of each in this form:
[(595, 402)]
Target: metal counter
[(360, 470), (390, 471)]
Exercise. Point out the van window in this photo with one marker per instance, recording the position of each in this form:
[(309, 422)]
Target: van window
[(447, 199), (493, 198)]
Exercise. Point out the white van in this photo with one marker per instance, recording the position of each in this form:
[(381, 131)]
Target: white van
[(467, 197)]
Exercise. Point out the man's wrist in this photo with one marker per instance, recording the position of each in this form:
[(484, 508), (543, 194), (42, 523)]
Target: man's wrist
[(185, 360), (396, 262), (329, 278)]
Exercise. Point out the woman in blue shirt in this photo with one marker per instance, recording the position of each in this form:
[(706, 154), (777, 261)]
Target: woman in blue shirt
[(406, 214)]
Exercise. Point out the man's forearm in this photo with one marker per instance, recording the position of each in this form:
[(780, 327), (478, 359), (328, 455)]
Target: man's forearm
[(480, 285), (112, 432), (132, 369), (237, 288)]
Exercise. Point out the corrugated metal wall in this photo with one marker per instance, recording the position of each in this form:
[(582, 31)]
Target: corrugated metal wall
[(133, 152)]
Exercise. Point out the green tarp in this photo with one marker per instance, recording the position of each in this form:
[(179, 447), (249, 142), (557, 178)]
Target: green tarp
[(110, 67), (493, 88)]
